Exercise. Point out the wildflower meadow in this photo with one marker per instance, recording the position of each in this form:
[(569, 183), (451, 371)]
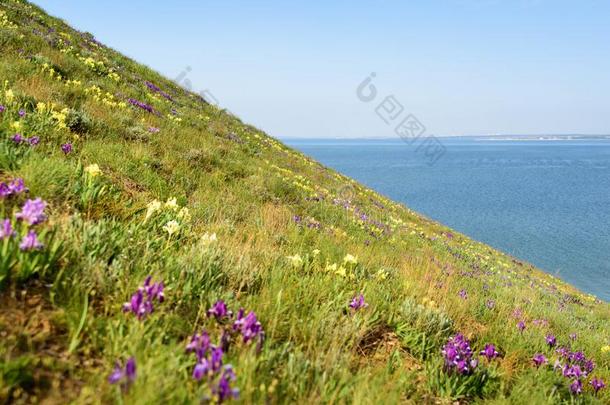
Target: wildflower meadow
[(156, 249)]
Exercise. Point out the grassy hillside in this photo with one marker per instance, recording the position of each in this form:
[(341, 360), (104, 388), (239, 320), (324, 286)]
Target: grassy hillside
[(257, 258)]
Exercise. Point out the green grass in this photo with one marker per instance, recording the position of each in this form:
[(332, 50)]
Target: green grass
[(61, 318)]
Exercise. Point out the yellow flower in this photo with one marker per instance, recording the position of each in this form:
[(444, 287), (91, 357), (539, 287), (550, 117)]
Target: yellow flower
[(152, 207), (184, 214), (315, 252), (93, 170), (349, 259), (41, 107), (606, 349), (381, 274), (341, 271), (331, 268), (171, 203), (16, 125), (9, 96), (208, 239), (295, 260), (171, 227)]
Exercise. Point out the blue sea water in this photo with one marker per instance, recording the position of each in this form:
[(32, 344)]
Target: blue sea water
[(546, 202)]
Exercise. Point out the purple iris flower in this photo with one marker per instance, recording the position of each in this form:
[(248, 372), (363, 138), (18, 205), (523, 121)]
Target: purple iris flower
[(17, 138), (572, 371), (216, 359), (576, 387), (6, 229), (30, 242), (200, 345), (202, 368), (597, 384), (2, 108), (141, 303), (66, 148), (219, 311), (224, 390), (35, 140), (521, 326), (141, 105), (489, 351), (358, 303), (22, 113), (539, 359), (248, 326), (551, 340), (458, 355), (16, 186), (119, 373), (32, 211)]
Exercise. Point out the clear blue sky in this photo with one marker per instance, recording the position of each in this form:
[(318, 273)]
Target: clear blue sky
[(292, 68)]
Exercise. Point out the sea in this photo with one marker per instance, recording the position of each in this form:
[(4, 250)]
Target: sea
[(542, 200)]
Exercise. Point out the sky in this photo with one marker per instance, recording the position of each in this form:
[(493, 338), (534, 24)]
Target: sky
[(293, 69)]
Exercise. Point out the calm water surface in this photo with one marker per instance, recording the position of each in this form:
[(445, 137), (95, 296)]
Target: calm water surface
[(547, 202)]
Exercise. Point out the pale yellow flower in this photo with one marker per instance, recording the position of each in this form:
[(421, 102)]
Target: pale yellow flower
[(381, 274), (341, 271), (152, 207), (606, 349), (208, 239), (315, 252), (9, 96), (184, 214), (350, 259), (171, 227), (171, 203), (93, 170), (331, 268), (295, 260)]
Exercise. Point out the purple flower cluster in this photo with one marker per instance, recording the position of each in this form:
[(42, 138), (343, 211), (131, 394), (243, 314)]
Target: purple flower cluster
[(2, 109), (142, 301), (32, 212), (219, 311), (152, 87), (458, 355), (249, 327), (489, 352), (309, 222), (141, 105), (14, 187), (124, 375), (539, 359), (597, 384), (66, 148), (574, 366), (19, 139), (6, 229), (358, 303), (210, 366)]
